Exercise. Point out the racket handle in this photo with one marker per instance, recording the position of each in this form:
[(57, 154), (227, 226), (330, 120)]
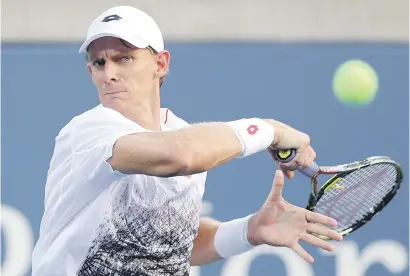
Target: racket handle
[(285, 156)]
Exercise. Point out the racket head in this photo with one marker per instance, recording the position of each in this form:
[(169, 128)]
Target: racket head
[(356, 192)]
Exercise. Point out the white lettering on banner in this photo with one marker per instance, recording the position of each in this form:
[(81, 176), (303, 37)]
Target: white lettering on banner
[(18, 236), (351, 262), (239, 265), (206, 208)]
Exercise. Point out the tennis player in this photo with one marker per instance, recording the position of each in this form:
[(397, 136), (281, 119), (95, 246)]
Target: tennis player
[(126, 180)]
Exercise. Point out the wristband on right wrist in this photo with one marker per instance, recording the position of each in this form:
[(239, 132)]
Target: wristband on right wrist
[(254, 134)]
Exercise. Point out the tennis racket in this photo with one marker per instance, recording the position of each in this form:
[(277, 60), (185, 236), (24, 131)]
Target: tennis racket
[(355, 193)]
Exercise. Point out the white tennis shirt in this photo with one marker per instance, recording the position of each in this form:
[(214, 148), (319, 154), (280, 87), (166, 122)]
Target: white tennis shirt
[(101, 222)]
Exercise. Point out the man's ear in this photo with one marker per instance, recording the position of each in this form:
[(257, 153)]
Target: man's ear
[(163, 59)]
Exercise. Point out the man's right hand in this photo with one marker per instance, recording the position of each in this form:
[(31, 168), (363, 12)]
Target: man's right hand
[(287, 137)]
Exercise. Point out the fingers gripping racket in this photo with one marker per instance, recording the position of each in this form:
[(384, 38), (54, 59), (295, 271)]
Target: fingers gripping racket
[(355, 193)]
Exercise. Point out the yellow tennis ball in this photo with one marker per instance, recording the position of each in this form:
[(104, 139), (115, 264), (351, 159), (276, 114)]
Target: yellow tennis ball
[(355, 83)]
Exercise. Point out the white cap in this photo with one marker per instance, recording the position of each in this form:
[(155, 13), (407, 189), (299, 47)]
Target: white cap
[(128, 23)]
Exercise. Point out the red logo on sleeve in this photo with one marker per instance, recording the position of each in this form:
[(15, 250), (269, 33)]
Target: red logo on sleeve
[(252, 129)]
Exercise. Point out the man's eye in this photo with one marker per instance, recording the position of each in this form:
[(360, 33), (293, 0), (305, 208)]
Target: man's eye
[(99, 62), (126, 58)]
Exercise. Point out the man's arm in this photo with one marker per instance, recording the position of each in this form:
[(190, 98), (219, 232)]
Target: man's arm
[(190, 150), (204, 146), (204, 251), (181, 152)]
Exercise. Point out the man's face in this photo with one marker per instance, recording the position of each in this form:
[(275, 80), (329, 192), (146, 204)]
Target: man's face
[(122, 72)]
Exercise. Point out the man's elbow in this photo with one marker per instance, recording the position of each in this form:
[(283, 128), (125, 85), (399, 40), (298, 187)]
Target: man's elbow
[(185, 160)]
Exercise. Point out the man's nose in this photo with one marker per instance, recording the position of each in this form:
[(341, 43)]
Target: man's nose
[(110, 73)]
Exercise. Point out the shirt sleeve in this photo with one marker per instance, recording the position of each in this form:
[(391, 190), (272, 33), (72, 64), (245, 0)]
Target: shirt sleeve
[(92, 140)]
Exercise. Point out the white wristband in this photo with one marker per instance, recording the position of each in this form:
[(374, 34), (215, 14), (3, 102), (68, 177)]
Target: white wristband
[(231, 238), (254, 134)]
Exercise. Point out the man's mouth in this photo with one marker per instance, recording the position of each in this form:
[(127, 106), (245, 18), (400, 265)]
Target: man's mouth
[(114, 92)]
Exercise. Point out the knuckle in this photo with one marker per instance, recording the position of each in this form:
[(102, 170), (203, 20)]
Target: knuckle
[(298, 162), (288, 166), (330, 233), (288, 243), (300, 216)]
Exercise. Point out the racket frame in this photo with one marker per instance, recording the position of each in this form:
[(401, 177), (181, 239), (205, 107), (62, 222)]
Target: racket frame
[(343, 170)]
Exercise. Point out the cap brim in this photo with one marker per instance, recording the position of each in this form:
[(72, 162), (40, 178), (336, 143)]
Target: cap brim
[(133, 40)]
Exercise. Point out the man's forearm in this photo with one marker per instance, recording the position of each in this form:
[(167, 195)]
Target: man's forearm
[(186, 151), (181, 152), (204, 251), (218, 240)]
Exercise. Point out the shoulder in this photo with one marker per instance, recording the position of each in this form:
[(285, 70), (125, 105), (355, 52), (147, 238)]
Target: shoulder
[(97, 118), (100, 114)]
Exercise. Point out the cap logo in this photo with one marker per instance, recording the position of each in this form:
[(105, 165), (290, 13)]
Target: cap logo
[(111, 18)]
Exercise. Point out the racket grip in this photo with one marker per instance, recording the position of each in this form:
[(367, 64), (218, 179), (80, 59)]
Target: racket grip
[(285, 156)]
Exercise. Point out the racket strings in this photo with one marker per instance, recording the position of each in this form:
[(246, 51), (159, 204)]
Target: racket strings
[(357, 194)]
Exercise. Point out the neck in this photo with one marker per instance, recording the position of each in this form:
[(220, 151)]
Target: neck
[(144, 113)]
